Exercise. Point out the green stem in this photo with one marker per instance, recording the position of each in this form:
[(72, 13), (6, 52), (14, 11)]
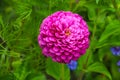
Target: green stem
[(94, 29), (89, 52), (62, 72), (81, 75)]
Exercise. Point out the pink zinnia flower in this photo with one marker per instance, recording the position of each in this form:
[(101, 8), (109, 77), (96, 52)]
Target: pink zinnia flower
[(64, 36)]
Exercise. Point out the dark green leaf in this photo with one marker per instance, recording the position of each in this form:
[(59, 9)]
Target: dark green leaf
[(99, 68)]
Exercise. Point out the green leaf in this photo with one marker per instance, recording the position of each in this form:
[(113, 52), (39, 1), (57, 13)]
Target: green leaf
[(91, 13), (101, 53), (101, 77), (115, 71), (14, 54), (16, 64), (56, 70), (99, 68), (40, 77), (91, 7), (111, 29), (22, 73), (1, 22), (80, 4), (110, 36), (97, 1)]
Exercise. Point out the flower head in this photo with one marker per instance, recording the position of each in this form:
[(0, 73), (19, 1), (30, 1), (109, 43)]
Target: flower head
[(64, 36), (115, 51), (72, 65)]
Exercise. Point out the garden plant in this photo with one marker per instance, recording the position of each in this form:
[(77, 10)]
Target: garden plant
[(59, 39)]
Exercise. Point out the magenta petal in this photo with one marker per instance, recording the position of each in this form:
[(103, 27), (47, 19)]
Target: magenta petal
[(58, 54), (52, 39), (66, 53), (67, 61), (51, 50), (83, 51), (58, 59), (63, 57), (75, 58), (45, 50), (55, 49), (46, 39), (42, 43), (69, 57), (77, 55)]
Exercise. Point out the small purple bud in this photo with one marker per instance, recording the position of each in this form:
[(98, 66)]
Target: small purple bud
[(118, 63), (115, 51), (72, 65)]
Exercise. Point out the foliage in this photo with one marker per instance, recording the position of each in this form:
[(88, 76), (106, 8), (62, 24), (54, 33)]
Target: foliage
[(21, 57)]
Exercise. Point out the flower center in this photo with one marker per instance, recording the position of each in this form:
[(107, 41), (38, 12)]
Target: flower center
[(67, 32)]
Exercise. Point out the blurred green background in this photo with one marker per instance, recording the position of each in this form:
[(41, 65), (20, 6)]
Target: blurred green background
[(20, 54)]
